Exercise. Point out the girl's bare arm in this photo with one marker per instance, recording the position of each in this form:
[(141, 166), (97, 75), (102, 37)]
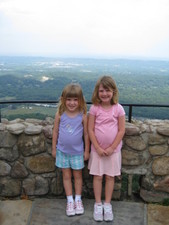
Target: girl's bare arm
[(119, 136), (55, 134), (86, 137), (92, 136)]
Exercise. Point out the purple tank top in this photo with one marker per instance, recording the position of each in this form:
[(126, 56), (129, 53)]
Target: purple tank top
[(70, 139)]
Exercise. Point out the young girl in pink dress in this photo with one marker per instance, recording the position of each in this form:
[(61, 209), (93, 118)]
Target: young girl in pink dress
[(106, 129)]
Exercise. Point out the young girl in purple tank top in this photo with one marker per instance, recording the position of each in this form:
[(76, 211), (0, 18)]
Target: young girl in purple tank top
[(70, 143), (106, 129)]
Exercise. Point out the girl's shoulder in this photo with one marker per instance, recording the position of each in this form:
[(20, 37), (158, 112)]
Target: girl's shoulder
[(94, 109), (118, 108)]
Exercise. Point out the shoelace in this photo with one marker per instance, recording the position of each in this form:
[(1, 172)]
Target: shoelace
[(107, 209), (79, 204), (99, 209), (70, 205)]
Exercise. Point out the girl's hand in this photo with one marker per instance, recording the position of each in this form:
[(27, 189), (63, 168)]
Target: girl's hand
[(109, 151), (101, 151), (86, 155)]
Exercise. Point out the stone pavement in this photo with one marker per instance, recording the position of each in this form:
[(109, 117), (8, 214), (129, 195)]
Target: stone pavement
[(44, 211)]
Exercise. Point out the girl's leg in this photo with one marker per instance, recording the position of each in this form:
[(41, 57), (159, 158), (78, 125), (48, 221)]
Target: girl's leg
[(67, 181), (109, 187), (98, 208), (97, 186), (78, 181), (79, 209)]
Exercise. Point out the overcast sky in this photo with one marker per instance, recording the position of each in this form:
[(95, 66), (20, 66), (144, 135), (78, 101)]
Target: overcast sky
[(99, 28)]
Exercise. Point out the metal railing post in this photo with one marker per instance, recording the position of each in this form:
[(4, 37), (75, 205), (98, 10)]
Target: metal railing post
[(130, 113), (0, 113)]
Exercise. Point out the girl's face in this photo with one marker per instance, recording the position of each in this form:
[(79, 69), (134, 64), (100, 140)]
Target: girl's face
[(72, 104), (105, 95)]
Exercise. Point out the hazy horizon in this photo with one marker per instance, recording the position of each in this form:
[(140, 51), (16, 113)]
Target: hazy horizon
[(104, 57)]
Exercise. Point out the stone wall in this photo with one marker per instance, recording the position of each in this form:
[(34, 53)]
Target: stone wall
[(27, 168)]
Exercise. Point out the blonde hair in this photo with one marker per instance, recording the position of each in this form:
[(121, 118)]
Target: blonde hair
[(72, 91), (108, 83)]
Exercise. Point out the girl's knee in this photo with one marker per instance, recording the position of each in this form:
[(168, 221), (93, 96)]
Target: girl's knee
[(66, 174), (77, 174), (109, 178), (98, 178)]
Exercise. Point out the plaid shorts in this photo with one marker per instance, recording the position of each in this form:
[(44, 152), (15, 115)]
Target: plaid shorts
[(75, 162)]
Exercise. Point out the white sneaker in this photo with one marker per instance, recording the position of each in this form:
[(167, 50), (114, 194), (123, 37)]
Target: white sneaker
[(79, 209), (108, 213), (98, 212), (70, 209)]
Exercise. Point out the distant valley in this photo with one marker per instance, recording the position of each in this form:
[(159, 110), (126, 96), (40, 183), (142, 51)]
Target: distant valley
[(40, 78)]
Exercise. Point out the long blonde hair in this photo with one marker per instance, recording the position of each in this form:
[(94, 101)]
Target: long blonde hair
[(72, 91), (108, 83)]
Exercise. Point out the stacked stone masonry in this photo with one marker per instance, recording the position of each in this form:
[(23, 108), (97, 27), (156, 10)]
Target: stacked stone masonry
[(27, 168)]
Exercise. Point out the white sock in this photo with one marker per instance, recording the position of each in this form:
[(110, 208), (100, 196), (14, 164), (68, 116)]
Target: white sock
[(77, 198), (107, 203), (98, 203), (70, 198)]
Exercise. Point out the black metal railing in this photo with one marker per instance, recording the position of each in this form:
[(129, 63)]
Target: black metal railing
[(130, 106)]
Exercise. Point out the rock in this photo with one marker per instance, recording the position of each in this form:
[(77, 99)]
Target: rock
[(131, 158), (19, 170), (156, 122), (147, 182), (36, 186), (2, 127), (7, 140), (32, 130), (4, 121), (131, 129), (48, 121), (136, 143), (145, 128), (31, 145), (162, 185), (163, 131), (9, 154), (34, 121), (15, 128), (10, 187), (48, 131), (160, 166), (48, 146), (18, 120), (41, 164), (155, 139), (5, 168), (139, 171), (152, 196), (57, 186), (158, 150), (29, 186)]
